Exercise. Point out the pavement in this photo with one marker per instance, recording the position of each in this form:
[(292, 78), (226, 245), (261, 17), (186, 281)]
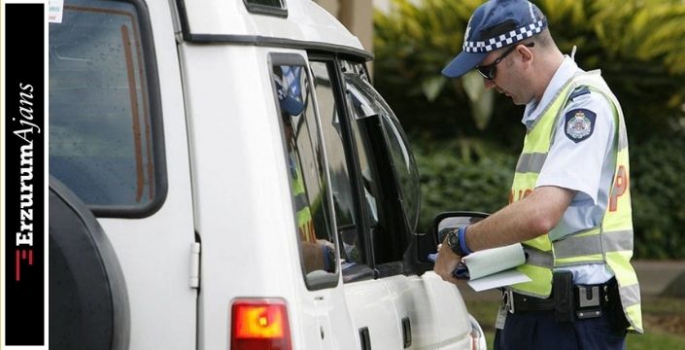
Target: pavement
[(661, 278), (657, 279)]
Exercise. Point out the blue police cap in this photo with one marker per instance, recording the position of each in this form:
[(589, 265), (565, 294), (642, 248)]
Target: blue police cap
[(495, 24), (290, 96)]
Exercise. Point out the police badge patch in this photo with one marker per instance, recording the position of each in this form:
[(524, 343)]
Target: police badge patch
[(579, 124)]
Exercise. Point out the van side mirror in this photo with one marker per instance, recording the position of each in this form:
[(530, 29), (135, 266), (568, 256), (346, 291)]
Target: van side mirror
[(425, 244), (451, 220)]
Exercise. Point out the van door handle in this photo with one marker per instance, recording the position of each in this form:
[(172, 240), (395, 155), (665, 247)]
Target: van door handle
[(365, 338), (406, 332)]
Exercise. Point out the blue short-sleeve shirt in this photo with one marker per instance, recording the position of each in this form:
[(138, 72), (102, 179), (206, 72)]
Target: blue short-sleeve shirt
[(580, 159)]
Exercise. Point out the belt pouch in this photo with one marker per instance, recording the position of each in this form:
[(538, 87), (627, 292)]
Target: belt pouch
[(562, 292), (590, 300), (616, 313)]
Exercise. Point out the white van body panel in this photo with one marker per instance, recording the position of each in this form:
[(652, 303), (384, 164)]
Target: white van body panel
[(453, 330), (155, 251), (234, 160), (373, 308), (306, 22)]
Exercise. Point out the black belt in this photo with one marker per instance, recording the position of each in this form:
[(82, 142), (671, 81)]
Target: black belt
[(516, 303), (588, 300)]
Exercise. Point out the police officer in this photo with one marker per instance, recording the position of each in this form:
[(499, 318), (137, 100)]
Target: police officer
[(570, 199)]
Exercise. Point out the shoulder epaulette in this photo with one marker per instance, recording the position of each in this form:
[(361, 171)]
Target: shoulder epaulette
[(580, 91)]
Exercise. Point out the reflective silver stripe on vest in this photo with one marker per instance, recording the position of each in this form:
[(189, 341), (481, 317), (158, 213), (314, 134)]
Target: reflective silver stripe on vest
[(531, 162), (630, 295), (539, 258), (612, 241)]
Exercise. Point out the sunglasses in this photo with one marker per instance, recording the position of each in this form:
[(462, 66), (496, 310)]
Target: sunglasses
[(488, 72)]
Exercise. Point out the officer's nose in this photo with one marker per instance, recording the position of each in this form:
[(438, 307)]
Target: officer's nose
[(489, 84)]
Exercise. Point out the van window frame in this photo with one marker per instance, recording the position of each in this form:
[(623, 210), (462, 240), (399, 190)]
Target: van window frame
[(156, 124), (365, 270), (330, 280), (392, 224), (369, 133)]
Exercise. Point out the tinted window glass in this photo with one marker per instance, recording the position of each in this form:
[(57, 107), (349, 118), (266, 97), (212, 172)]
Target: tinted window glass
[(388, 171), (403, 163), (307, 175), (341, 186), (364, 155), (405, 167), (101, 131)]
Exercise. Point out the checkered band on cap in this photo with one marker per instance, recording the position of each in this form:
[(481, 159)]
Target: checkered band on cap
[(504, 39)]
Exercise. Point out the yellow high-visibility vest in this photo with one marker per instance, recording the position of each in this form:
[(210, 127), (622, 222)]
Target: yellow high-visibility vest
[(305, 222), (612, 241)]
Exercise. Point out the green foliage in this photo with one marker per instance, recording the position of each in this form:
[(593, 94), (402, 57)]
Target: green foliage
[(657, 172), (412, 46), (655, 340), (639, 46), (417, 43), (452, 179)]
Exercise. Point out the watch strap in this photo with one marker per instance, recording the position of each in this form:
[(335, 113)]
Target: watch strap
[(457, 242), (462, 241)]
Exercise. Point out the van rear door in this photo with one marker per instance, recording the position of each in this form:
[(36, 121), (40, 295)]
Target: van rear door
[(118, 140)]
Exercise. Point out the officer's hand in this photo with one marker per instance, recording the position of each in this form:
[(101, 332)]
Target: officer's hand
[(312, 256), (446, 262), (329, 244)]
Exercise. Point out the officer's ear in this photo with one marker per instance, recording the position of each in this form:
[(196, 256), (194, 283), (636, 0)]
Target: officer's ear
[(526, 53)]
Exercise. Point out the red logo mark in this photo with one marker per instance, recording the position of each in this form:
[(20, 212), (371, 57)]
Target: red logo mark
[(22, 254)]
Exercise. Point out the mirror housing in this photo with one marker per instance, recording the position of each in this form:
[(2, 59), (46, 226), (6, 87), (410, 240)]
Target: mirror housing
[(453, 220), (423, 245)]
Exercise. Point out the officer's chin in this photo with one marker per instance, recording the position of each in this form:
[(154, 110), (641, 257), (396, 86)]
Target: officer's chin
[(520, 102)]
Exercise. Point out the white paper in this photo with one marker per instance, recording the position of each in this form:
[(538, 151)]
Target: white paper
[(55, 11), (489, 261), (500, 279)]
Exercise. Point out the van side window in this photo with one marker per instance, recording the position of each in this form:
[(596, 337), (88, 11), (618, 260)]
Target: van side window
[(104, 132), (347, 225), (389, 172), (368, 171), (307, 173), (403, 164)]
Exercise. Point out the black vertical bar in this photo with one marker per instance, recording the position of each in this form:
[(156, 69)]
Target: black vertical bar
[(406, 332), (365, 338), (24, 174)]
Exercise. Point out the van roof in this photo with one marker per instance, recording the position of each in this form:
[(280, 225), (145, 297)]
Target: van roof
[(289, 23)]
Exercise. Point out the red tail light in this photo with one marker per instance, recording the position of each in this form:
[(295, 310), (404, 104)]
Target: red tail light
[(260, 324)]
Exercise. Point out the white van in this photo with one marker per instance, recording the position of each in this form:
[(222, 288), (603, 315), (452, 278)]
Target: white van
[(224, 176)]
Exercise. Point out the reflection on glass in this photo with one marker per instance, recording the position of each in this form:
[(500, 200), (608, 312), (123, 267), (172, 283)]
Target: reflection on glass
[(304, 159), (368, 103), (341, 186)]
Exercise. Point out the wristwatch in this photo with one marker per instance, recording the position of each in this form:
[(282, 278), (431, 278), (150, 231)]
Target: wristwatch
[(328, 259), (454, 240)]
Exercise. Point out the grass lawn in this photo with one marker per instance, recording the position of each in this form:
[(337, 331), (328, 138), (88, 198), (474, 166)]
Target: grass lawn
[(656, 340), (664, 321)]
